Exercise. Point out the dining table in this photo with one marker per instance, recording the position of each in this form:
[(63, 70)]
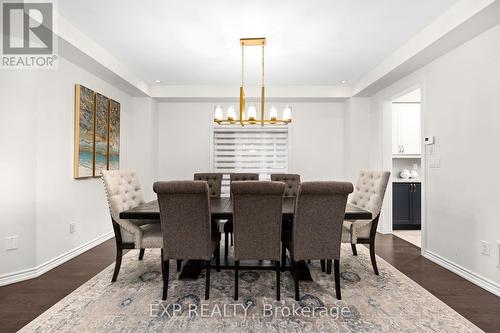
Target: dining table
[(221, 208)]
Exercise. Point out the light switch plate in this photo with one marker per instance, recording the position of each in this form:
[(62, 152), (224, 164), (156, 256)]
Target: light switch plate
[(11, 243), (72, 227)]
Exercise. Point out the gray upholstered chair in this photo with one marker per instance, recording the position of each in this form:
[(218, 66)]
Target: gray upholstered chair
[(124, 192), (228, 226), (369, 195), (214, 181), (257, 211), (186, 226), (292, 182), (317, 225)]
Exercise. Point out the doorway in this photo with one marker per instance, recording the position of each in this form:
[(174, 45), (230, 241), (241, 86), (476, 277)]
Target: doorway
[(407, 171)]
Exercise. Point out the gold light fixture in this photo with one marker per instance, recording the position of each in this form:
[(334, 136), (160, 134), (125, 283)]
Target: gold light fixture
[(251, 118)]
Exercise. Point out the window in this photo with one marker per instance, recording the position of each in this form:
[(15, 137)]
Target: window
[(262, 150)]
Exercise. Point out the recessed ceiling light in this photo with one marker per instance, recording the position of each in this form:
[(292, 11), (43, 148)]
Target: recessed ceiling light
[(158, 81), (343, 81)]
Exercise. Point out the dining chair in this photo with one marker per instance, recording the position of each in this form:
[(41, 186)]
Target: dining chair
[(214, 181), (369, 195), (186, 226), (257, 211), (317, 226), (292, 182), (123, 192), (228, 226)]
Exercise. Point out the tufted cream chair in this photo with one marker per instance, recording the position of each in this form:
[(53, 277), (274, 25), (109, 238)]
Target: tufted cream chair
[(124, 192), (369, 195)]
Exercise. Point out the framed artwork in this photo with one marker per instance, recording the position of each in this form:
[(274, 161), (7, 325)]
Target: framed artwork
[(97, 133), (114, 136), (84, 132), (101, 134)]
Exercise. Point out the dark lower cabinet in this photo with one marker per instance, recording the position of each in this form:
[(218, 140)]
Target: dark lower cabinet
[(406, 205)]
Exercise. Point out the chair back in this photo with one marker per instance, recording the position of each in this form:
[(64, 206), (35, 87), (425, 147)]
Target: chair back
[(291, 181), (123, 192), (257, 211), (239, 176), (214, 181), (370, 190), (318, 219), (185, 219)]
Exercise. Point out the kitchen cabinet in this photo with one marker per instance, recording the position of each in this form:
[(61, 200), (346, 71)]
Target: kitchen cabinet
[(406, 205), (406, 129)]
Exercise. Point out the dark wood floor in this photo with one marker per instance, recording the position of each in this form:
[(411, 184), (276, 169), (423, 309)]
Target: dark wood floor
[(22, 302)]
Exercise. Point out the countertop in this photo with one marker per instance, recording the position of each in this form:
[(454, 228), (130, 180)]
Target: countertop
[(409, 180)]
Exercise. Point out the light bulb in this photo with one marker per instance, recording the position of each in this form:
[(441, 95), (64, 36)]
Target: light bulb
[(287, 113), (230, 113), (252, 112), (218, 113), (273, 113)]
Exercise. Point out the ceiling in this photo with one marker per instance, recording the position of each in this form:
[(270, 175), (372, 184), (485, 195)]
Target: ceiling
[(196, 42)]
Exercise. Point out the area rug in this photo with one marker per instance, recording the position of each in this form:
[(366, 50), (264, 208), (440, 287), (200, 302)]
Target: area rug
[(390, 302)]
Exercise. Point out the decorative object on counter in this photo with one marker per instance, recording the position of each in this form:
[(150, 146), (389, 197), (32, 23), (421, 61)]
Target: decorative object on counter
[(414, 173), (405, 174)]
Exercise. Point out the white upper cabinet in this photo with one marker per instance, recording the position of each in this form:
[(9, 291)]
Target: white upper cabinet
[(406, 138)]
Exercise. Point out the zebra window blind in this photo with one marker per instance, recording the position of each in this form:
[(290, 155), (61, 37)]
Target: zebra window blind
[(262, 150)]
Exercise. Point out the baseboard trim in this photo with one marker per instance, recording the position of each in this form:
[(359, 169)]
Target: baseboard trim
[(477, 279), (34, 272)]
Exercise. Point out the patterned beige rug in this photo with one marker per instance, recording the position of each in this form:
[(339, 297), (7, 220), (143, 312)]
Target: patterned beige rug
[(390, 302)]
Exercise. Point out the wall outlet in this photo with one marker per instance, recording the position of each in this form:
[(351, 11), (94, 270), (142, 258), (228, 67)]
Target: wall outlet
[(498, 253), (72, 227), (11, 243), (485, 248)]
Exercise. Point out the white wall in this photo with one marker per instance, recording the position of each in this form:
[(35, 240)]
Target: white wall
[(461, 108), (317, 140), (356, 136), (39, 197), (17, 167)]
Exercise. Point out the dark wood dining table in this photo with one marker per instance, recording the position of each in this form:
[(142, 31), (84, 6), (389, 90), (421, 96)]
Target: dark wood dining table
[(221, 208)]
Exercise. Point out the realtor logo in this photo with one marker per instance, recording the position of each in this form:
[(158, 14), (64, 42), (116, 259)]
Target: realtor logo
[(28, 40)]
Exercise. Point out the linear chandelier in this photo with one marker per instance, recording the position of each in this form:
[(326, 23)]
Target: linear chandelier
[(251, 118)]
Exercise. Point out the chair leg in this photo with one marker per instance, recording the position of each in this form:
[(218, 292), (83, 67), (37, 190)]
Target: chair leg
[(296, 278), (217, 257), (322, 262), (328, 266), (118, 263), (283, 256), (278, 280), (232, 239), (354, 250), (179, 265), (207, 280), (336, 265), (372, 256), (236, 264), (164, 273), (226, 245), (141, 254)]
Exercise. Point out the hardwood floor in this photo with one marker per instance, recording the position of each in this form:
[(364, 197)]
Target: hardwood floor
[(22, 302)]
